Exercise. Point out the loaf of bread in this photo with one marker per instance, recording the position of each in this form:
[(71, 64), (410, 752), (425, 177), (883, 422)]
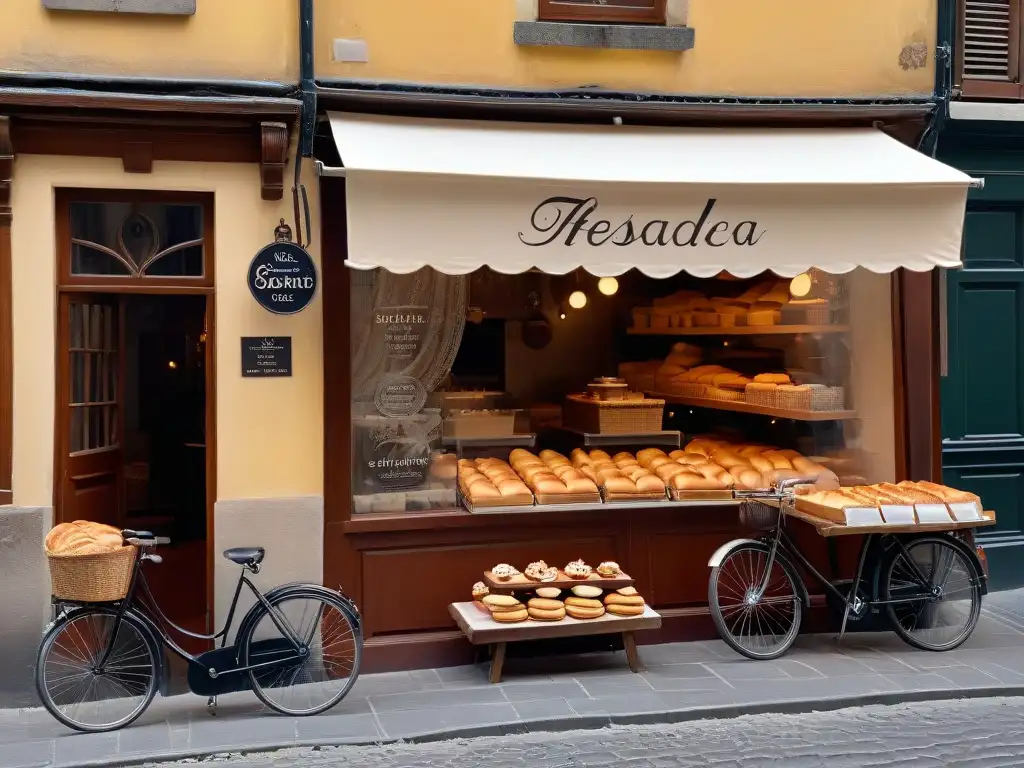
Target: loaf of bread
[(489, 480), (82, 538), (621, 474), (551, 473)]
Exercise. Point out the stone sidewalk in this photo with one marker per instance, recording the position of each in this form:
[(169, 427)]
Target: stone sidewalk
[(683, 681)]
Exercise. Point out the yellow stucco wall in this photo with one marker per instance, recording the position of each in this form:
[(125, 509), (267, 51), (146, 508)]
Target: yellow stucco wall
[(269, 431), (232, 39), (743, 47)]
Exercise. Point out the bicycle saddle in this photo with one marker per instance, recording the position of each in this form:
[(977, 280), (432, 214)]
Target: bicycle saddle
[(245, 555)]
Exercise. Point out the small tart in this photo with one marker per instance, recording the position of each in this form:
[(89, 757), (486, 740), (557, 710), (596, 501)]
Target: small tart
[(480, 590), (609, 568), (577, 569), (535, 570), (549, 574), (503, 572)]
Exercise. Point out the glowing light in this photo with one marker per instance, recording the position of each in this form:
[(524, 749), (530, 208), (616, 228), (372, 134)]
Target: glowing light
[(800, 285), (577, 299), (608, 286), (561, 315), (171, 364)]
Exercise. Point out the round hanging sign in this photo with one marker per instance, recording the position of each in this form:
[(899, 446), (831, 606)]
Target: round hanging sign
[(282, 278)]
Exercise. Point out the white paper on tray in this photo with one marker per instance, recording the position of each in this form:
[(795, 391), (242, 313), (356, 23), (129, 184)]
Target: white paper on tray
[(933, 514), (863, 516), (965, 512), (898, 514)]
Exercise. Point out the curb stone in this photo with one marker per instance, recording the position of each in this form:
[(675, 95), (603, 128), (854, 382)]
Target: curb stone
[(588, 722)]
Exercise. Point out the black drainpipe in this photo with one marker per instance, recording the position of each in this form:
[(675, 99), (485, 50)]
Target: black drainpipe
[(307, 120)]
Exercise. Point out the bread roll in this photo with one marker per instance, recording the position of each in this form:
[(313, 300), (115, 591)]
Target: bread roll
[(511, 617), (625, 610), (500, 601), (749, 479), (539, 614), (658, 461), (582, 602), (627, 591), (548, 592), (667, 471), (650, 484), (619, 485), (513, 488), (692, 481), (551, 486), (578, 612), (778, 460), (614, 598), (586, 591), (581, 485), (546, 604)]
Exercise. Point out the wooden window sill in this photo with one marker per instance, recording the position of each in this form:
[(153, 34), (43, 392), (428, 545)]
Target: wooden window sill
[(639, 37)]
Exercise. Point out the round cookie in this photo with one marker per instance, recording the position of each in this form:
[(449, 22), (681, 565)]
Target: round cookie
[(583, 602), (585, 590), (510, 617), (617, 599), (540, 614), (578, 612), (548, 592), (625, 610), (544, 604), (627, 591), (500, 601)]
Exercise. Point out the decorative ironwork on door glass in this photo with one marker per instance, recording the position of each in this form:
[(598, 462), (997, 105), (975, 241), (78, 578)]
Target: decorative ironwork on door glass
[(136, 240)]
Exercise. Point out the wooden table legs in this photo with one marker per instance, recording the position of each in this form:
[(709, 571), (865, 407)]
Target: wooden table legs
[(497, 662), (498, 657), (629, 643)]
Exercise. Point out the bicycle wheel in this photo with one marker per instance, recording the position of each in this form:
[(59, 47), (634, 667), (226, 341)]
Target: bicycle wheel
[(84, 696), (759, 626), (326, 665), (932, 591)]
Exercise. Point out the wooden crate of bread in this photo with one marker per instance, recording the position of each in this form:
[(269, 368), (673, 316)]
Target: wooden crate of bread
[(635, 413), (905, 503)]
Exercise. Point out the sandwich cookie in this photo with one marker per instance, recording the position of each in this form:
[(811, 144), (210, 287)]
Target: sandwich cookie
[(510, 617)]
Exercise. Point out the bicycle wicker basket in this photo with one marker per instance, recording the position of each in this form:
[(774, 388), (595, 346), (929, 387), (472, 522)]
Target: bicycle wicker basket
[(758, 514), (100, 578)]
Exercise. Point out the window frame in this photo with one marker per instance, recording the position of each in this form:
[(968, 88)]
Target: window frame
[(1008, 90), (66, 279), (567, 10)]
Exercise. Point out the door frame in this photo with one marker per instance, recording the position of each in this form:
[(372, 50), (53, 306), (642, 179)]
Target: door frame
[(152, 287)]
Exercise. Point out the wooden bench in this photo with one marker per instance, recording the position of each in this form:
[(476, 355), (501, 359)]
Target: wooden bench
[(480, 629)]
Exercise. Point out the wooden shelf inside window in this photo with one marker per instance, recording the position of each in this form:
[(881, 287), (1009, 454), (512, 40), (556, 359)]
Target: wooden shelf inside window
[(743, 407), (741, 330)]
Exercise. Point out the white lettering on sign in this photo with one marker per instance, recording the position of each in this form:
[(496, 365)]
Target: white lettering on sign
[(264, 280)]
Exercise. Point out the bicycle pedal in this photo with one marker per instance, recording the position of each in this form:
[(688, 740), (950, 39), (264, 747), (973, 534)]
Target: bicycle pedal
[(211, 706)]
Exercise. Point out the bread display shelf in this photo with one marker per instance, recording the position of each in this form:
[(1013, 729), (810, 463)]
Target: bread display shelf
[(668, 438), (522, 584), (741, 330), (743, 407), (559, 499), (694, 496), (830, 528), (525, 440), (686, 499)]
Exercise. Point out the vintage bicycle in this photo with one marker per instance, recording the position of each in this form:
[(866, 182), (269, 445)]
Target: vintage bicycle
[(298, 648), (926, 580)]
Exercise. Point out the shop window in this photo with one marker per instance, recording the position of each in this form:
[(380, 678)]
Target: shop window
[(989, 60), (625, 11), (767, 378)]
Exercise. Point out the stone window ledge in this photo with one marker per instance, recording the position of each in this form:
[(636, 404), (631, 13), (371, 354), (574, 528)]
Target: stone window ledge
[(637, 37), (157, 7)]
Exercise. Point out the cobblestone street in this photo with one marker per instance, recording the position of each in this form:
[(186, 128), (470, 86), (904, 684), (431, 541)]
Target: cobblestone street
[(983, 733)]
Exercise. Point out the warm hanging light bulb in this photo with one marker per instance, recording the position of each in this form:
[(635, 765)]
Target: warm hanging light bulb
[(608, 286), (577, 299), (800, 285)]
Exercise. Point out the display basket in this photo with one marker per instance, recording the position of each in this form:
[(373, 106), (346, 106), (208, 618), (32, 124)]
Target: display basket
[(100, 578), (612, 417)]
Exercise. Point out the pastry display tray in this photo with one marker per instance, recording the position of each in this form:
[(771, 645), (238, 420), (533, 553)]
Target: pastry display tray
[(521, 583)]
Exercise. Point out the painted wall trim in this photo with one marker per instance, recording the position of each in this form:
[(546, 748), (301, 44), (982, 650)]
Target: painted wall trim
[(992, 111), (6, 327), (85, 99), (635, 37)]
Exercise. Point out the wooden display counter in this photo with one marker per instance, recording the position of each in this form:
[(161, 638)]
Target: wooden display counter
[(483, 630), (405, 570)]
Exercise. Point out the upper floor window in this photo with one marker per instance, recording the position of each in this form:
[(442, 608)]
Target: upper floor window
[(989, 51), (622, 11)]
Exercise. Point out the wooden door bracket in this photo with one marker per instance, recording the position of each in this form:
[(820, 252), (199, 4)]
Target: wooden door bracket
[(273, 159)]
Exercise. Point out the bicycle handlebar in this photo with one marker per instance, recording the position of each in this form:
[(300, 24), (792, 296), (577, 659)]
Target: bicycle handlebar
[(155, 541)]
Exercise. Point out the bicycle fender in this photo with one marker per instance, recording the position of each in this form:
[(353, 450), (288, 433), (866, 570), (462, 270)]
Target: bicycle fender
[(725, 549)]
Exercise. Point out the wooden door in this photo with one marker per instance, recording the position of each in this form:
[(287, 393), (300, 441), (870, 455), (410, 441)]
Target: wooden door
[(90, 394), (983, 390)]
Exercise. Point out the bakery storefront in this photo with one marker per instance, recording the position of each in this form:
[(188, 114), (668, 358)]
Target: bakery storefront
[(562, 343)]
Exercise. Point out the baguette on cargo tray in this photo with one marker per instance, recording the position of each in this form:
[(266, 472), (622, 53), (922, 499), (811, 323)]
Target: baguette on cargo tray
[(892, 503)]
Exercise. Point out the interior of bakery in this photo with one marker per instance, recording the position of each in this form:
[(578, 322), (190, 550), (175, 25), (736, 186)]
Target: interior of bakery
[(463, 382)]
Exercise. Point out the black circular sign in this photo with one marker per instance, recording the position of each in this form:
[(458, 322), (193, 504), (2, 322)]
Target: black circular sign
[(282, 278)]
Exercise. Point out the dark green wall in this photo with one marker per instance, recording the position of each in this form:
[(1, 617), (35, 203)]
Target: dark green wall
[(983, 391)]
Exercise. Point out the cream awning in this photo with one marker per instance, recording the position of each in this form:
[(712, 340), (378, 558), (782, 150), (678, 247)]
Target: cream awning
[(459, 195)]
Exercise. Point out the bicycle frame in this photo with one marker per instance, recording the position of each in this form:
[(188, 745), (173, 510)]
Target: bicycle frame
[(129, 604)]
